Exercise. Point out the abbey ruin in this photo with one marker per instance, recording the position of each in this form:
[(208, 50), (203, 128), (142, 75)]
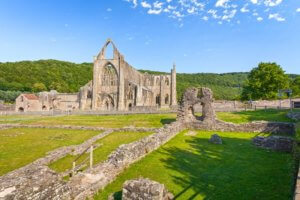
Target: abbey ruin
[(116, 85)]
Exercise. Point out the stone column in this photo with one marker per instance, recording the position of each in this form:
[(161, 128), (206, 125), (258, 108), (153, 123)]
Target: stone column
[(173, 86), (96, 82), (121, 88)]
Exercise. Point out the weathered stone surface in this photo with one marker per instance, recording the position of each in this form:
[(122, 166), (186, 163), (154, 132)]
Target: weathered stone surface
[(215, 139), (208, 121), (86, 184), (294, 115), (144, 189), (276, 143)]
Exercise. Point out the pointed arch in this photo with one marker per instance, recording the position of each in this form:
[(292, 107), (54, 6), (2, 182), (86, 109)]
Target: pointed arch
[(109, 75), (109, 45)]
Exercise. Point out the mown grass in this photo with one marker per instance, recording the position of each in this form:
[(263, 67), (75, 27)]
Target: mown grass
[(258, 115), (107, 121), (21, 146), (193, 168), (107, 145)]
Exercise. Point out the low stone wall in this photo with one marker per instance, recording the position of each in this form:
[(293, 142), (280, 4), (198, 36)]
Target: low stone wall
[(275, 143), (86, 184), (294, 115), (254, 127), (134, 129)]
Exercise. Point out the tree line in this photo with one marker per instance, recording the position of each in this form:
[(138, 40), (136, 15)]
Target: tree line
[(46, 75)]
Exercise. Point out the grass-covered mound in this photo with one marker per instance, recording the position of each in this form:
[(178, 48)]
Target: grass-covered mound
[(193, 168), (21, 146)]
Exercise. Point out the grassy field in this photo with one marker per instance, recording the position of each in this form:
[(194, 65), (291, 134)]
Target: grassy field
[(193, 168), (21, 146), (140, 120), (248, 116), (107, 121), (107, 145)]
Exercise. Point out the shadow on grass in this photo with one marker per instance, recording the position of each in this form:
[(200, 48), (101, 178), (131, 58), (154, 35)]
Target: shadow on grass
[(234, 170), (167, 120)]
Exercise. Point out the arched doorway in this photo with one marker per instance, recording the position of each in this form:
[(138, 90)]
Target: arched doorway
[(130, 106), (108, 103), (21, 109), (44, 108)]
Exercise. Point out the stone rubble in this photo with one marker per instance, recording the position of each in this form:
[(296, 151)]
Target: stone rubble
[(275, 143), (215, 139), (145, 189)]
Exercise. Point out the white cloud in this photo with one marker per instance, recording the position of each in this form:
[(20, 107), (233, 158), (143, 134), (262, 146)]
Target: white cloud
[(254, 1), (191, 10), (158, 4), (298, 10), (255, 14), (108, 9), (213, 13), (229, 15), (154, 12), (259, 19), (244, 9), (144, 4), (222, 3), (272, 3), (205, 18), (277, 17), (169, 1)]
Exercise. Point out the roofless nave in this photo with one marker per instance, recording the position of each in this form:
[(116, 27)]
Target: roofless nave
[(116, 85)]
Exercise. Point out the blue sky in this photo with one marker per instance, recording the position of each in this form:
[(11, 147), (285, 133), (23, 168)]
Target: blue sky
[(199, 35)]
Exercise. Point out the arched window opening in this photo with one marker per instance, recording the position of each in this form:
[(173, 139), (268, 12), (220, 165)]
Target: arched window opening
[(167, 81), (157, 100), (130, 94), (44, 108), (167, 99), (109, 52), (130, 106), (109, 77)]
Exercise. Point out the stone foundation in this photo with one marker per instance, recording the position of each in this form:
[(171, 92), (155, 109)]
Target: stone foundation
[(145, 189), (276, 143)]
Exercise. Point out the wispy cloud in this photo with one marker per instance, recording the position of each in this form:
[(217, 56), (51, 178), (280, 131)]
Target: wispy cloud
[(219, 10), (277, 17)]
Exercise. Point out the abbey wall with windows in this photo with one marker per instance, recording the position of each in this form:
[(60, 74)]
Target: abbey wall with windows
[(116, 86)]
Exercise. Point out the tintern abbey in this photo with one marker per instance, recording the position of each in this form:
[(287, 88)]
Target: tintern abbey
[(116, 85)]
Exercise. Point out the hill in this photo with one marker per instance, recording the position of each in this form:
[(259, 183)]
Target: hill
[(35, 76)]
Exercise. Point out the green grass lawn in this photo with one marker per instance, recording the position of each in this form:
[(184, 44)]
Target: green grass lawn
[(108, 144), (141, 120), (193, 168), (248, 116), (107, 121), (21, 146)]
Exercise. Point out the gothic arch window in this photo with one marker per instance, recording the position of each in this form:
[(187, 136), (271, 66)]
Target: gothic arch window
[(130, 94), (167, 99), (157, 100), (109, 76), (167, 81)]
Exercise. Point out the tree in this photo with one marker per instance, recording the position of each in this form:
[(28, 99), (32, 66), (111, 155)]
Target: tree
[(39, 87), (264, 82), (295, 85)]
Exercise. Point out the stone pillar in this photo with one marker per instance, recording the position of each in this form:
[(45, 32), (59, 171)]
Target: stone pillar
[(173, 86), (121, 88), (96, 82), (161, 91)]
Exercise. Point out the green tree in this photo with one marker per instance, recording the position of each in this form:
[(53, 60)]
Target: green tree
[(264, 82), (295, 85), (39, 87)]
